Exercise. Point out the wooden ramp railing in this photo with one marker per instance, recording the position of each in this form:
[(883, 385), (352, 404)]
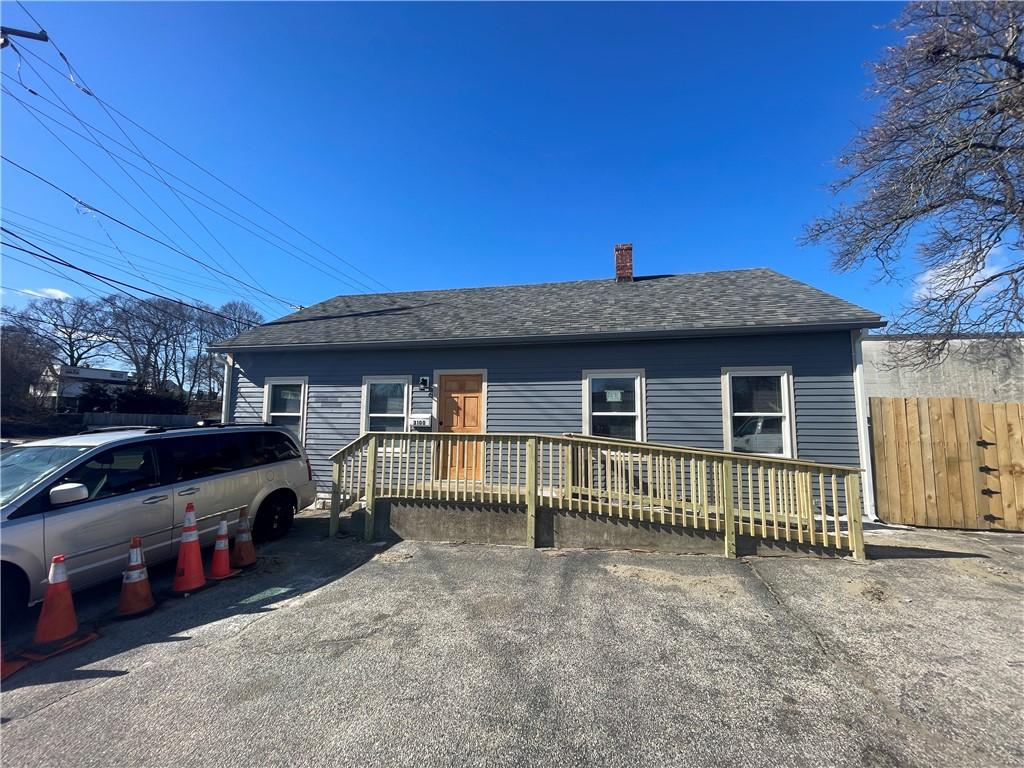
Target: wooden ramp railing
[(730, 493)]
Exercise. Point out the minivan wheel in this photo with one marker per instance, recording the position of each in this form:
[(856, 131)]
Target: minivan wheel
[(274, 518), (13, 597)]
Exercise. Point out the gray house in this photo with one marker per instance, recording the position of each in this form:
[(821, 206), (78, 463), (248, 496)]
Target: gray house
[(745, 360)]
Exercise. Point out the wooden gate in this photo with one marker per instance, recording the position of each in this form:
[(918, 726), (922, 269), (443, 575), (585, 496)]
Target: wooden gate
[(948, 462)]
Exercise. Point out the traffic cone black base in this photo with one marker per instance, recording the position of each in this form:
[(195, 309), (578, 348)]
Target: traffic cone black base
[(42, 653), (9, 666)]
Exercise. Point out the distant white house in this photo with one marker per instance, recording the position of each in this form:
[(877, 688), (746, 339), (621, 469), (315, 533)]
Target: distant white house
[(63, 386)]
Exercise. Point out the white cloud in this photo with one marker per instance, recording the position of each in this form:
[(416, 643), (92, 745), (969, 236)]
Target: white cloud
[(48, 293)]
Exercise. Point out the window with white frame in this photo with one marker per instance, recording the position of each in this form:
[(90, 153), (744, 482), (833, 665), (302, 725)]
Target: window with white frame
[(284, 404), (758, 411), (613, 404), (385, 403)]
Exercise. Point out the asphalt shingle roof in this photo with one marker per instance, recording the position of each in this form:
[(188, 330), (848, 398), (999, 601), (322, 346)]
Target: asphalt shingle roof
[(691, 304)]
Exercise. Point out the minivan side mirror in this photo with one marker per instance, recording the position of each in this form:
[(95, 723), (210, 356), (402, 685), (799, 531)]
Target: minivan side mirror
[(68, 493)]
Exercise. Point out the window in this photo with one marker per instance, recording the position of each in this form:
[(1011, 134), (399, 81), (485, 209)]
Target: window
[(268, 447), (613, 404), (284, 404), (757, 406), (117, 471), (190, 458), (22, 466), (385, 403)]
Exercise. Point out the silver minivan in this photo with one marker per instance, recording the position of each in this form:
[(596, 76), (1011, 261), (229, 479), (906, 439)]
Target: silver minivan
[(85, 497)]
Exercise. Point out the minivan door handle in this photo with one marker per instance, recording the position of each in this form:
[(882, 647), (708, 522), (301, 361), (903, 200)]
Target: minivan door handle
[(189, 491), (155, 499)]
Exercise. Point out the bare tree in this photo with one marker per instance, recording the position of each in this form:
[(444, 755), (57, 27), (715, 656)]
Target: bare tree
[(239, 316), (139, 333), (942, 168), (74, 327), (24, 357)]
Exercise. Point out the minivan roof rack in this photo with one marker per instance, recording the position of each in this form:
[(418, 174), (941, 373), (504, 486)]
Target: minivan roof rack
[(148, 428)]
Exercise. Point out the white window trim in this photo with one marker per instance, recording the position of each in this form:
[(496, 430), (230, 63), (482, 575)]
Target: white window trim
[(269, 382), (788, 406), (364, 400), (436, 393), (640, 374)]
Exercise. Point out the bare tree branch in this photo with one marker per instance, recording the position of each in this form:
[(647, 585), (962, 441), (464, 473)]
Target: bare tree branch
[(942, 168)]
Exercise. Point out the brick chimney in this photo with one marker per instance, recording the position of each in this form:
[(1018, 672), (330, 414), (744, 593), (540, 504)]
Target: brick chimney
[(624, 262)]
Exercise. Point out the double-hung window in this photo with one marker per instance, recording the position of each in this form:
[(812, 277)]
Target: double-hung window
[(385, 403), (284, 404), (613, 404), (758, 411)]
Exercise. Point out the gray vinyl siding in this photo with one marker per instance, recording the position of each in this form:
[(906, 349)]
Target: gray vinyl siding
[(539, 388)]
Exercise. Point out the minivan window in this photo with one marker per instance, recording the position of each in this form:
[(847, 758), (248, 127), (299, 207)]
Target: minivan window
[(268, 447), (126, 469), (191, 458), (21, 466)]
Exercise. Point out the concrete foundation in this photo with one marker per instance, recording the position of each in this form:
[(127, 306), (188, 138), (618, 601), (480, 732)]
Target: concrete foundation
[(506, 524)]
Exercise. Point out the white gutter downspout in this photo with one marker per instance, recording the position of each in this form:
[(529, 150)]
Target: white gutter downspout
[(863, 436), (226, 393)]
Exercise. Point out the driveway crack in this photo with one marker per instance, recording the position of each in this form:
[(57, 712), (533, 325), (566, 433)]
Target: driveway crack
[(839, 656)]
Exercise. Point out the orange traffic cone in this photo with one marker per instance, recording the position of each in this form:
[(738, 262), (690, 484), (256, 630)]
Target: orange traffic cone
[(244, 553), (189, 575), (220, 567), (57, 630), (136, 595), (9, 667)]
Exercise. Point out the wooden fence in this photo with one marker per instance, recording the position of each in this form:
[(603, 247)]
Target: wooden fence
[(949, 462), (92, 419), (789, 500)]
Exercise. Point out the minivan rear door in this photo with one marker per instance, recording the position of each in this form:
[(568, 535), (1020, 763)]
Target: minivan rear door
[(126, 498), (211, 472)]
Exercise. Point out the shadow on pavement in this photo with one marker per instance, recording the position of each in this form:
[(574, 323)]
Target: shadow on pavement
[(897, 552), (301, 562)]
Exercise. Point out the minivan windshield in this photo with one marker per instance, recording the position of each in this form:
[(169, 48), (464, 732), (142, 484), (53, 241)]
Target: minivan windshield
[(23, 465)]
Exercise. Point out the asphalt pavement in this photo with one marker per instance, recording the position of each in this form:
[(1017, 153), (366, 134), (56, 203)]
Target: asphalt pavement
[(334, 652)]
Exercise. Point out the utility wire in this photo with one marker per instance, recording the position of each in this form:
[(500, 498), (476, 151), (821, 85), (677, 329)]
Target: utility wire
[(136, 230), (104, 258), (106, 299), (70, 75), (113, 282), (353, 282), (123, 170), (110, 263), (111, 187)]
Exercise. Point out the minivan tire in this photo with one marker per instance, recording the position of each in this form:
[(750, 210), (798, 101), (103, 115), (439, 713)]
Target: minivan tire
[(13, 596), (274, 517)]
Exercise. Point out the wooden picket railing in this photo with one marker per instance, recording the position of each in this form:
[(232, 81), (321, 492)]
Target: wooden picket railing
[(730, 493)]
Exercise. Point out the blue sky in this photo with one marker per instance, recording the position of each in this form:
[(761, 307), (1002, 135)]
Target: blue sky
[(450, 145)]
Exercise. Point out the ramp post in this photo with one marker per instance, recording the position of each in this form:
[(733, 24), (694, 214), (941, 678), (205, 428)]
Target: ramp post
[(531, 492), (335, 498), (371, 487), (729, 511)]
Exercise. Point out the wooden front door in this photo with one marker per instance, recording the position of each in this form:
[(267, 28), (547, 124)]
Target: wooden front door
[(460, 410)]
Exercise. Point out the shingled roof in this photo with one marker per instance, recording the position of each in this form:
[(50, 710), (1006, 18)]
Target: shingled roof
[(698, 304)]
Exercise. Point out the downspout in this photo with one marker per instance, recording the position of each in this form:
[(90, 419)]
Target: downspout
[(863, 435), (226, 392)]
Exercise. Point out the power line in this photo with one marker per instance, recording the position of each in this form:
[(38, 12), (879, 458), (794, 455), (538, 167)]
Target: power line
[(106, 299), (151, 165), (353, 282), (113, 282), (211, 174), (122, 169), (79, 201), (100, 256)]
